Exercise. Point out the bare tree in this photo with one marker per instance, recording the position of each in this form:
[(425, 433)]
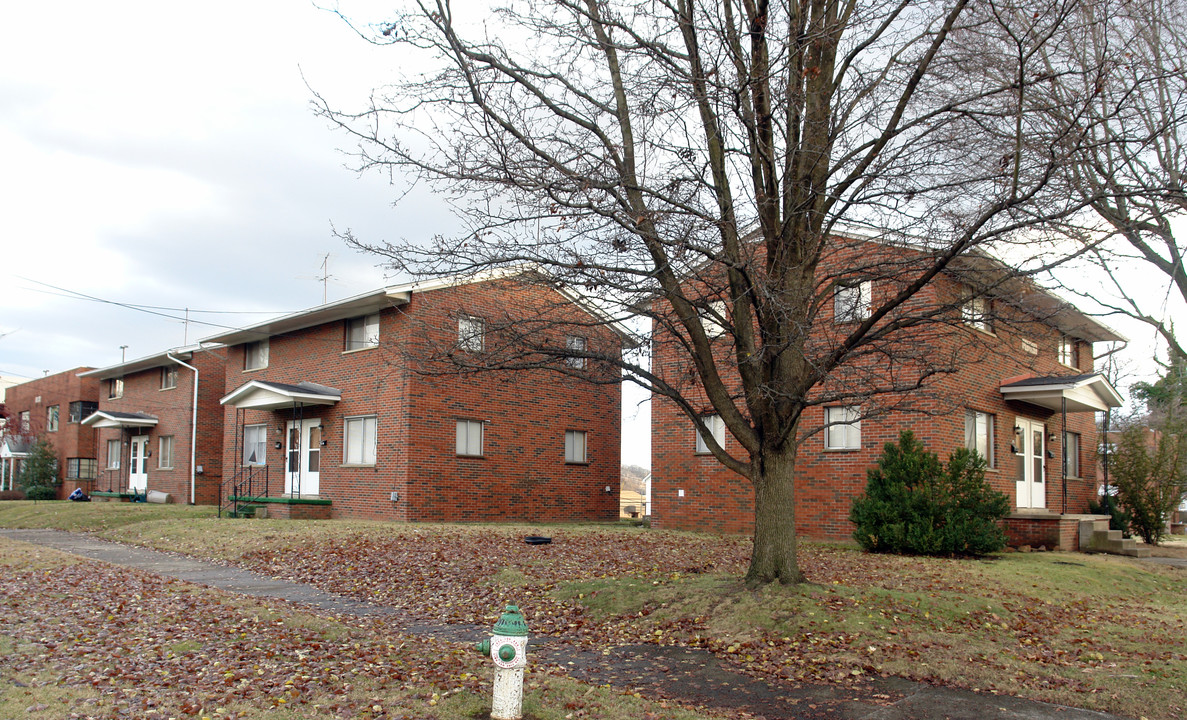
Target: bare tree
[(723, 168), (1131, 156)]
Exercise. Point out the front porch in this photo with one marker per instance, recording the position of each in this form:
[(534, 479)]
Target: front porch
[(302, 507), (1068, 532)]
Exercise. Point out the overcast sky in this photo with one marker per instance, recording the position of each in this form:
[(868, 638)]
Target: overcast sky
[(165, 155)]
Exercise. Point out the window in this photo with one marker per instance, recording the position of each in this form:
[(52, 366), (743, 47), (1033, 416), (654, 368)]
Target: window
[(25, 423), (713, 318), (82, 409), (1030, 347), (255, 355), (360, 440), (843, 431), (1071, 454), (165, 452), (574, 343), (51, 418), (115, 388), (575, 446), (255, 444), (1067, 351), (978, 434), (469, 438), (470, 332), (81, 468), (716, 428), (168, 377), (113, 454), (851, 303), (362, 332), (977, 312)]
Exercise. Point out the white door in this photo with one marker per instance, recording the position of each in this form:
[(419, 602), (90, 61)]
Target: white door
[(303, 457), (138, 465), (1031, 463)]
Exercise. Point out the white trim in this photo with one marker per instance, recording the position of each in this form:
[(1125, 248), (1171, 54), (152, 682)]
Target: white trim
[(260, 395)]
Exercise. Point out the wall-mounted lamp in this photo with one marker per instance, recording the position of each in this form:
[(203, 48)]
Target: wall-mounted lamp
[(1050, 455), (1052, 437), (278, 444), (607, 490)]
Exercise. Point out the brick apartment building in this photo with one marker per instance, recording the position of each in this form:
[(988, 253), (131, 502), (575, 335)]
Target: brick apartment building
[(159, 425), (1015, 382), (53, 408), (339, 411)]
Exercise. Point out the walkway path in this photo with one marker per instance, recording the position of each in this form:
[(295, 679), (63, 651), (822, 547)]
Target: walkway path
[(686, 675)]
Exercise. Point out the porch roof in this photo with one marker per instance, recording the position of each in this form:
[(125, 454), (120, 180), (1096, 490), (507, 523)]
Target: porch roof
[(16, 447), (110, 419), (1083, 393), (266, 395)]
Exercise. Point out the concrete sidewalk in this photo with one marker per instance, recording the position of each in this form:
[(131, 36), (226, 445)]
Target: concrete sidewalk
[(682, 674)]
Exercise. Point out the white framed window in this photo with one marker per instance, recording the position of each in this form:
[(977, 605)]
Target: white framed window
[(575, 343), (843, 428), (360, 440), (362, 332), (51, 418), (978, 434), (165, 452), (24, 422), (713, 319), (1067, 351), (255, 444), (1030, 347), (716, 428), (1071, 455), (115, 388), (851, 302), (255, 355), (469, 437), (977, 312), (168, 377), (113, 454), (471, 333), (575, 444)]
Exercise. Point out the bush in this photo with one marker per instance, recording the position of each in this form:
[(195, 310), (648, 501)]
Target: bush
[(1150, 473), (914, 505), (1118, 516), (39, 473)]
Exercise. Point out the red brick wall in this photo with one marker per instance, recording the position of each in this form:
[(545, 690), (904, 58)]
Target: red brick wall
[(522, 475), (173, 408), (71, 440), (717, 499)]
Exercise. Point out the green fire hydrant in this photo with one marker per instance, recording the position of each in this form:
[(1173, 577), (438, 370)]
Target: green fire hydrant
[(508, 648)]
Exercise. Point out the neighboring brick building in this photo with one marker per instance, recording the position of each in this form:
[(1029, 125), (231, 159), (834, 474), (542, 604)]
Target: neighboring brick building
[(146, 424), (339, 410), (53, 407), (1013, 360)]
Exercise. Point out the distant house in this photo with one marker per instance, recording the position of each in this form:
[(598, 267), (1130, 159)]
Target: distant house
[(53, 408), (335, 412), (159, 425), (1021, 390)]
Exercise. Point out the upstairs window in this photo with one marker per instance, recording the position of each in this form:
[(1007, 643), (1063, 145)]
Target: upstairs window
[(25, 422), (575, 344), (851, 302), (713, 319), (1068, 351), (362, 332), (470, 333), (115, 388), (255, 355), (716, 428), (843, 431), (82, 409), (978, 434), (977, 312), (51, 418), (168, 377)]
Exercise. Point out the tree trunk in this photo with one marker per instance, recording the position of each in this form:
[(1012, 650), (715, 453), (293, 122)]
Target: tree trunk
[(774, 556)]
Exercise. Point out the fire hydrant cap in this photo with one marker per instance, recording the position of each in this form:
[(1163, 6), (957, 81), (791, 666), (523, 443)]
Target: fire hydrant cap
[(511, 623)]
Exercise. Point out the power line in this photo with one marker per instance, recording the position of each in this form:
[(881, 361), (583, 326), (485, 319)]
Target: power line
[(137, 306)]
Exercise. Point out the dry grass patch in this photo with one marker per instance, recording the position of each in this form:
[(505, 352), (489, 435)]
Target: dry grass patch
[(93, 516)]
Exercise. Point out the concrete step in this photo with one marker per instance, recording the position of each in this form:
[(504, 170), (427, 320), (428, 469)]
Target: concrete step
[(1111, 542)]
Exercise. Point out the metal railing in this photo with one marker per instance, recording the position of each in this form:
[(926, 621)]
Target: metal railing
[(247, 483)]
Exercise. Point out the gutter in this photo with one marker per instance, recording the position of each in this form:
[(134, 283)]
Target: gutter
[(193, 427)]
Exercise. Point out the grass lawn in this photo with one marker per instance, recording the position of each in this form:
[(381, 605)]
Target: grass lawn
[(1091, 631)]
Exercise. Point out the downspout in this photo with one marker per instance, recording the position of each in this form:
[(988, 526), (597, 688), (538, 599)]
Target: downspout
[(1063, 451), (193, 428)]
